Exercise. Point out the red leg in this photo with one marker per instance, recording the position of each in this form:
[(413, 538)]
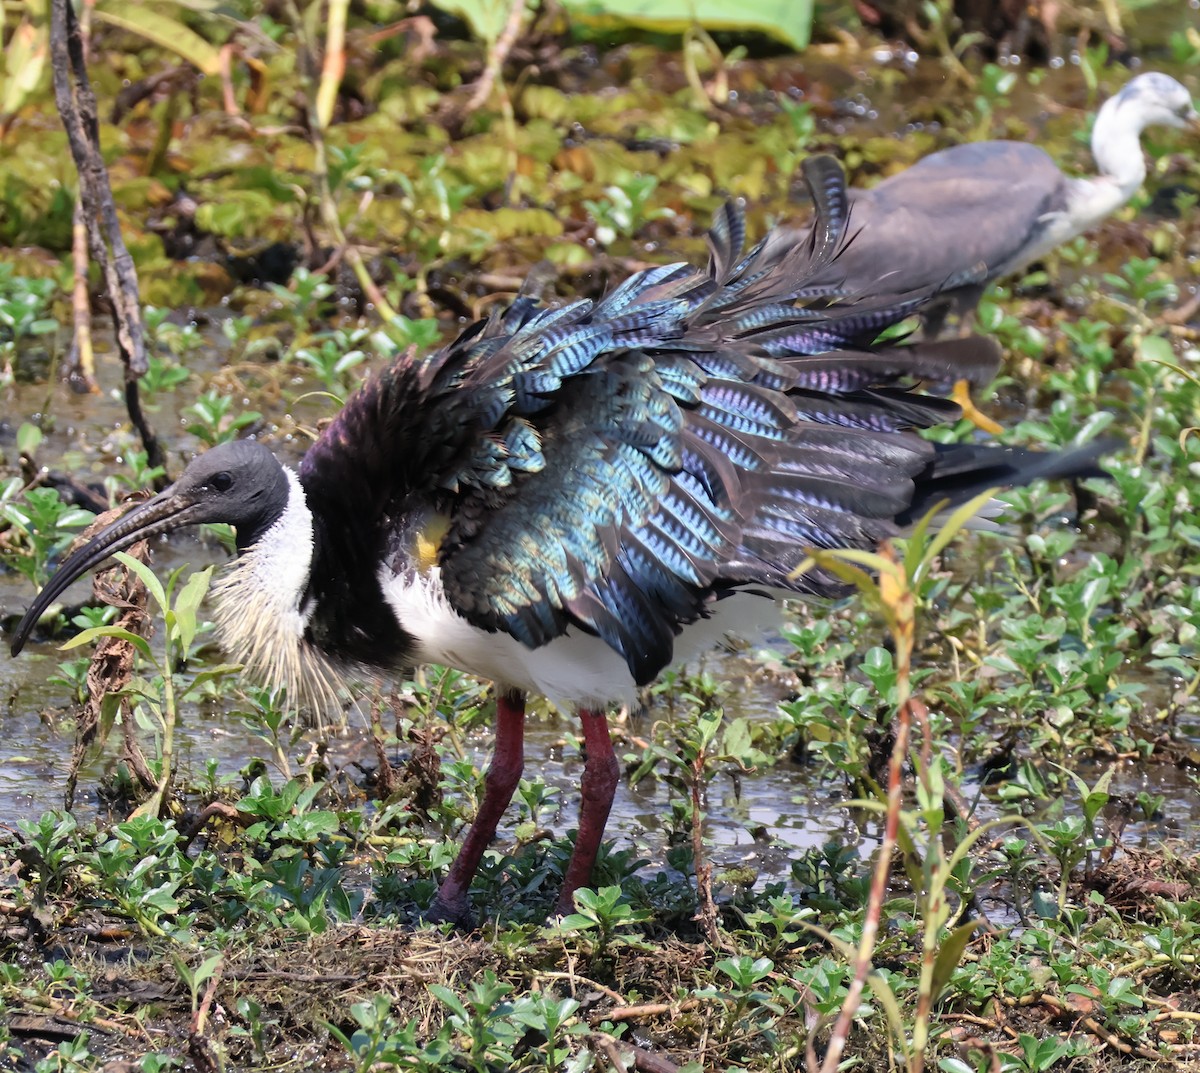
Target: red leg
[(503, 774), (599, 785)]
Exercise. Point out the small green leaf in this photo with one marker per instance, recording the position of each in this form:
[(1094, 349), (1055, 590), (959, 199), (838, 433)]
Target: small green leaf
[(450, 1000), (949, 955), (214, 674), (187, 603), (736, 742), (29, 436), (708, 723), (96, 632), (207, 968), (1156, 348), (147, 578)]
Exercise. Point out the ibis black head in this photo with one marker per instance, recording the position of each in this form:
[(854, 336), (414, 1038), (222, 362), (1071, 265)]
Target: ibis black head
[(240, 483)]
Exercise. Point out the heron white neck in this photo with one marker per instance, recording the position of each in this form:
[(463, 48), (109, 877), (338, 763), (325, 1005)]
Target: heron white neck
[(1117, 147), (259, 614)]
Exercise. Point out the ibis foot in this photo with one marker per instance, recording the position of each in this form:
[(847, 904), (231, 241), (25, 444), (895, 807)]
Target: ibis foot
[(601, 773), (452, 904), (458, 912)]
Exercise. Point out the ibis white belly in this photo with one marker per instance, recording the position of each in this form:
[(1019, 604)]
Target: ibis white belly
[(577, 670)]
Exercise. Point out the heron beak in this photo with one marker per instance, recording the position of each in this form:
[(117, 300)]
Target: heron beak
[(166, 511)]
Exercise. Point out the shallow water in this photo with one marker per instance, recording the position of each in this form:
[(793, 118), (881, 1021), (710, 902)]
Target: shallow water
[(760, 822)]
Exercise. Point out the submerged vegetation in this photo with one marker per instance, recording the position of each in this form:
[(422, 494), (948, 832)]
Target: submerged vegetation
[(1010, 720)]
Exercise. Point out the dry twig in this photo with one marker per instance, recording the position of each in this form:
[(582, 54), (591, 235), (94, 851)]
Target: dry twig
[(77, 106)]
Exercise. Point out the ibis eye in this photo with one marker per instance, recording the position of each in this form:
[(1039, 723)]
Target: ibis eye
[(222, 482)]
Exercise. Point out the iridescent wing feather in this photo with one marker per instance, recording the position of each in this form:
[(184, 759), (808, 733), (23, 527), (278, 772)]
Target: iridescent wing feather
[(614, 467)]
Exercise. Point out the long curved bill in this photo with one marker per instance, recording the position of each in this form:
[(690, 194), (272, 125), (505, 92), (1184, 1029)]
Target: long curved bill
[(166, 511)]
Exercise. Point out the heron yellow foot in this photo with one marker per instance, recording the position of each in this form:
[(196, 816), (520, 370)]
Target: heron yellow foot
[(962, 395)]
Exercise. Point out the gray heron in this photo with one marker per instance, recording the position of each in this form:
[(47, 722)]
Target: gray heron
[(968, 215)]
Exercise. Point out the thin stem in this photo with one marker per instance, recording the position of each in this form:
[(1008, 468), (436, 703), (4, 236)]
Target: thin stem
[(316, 130), (334, 64), (897, 596), (879, 883), (82, 366), (169, 714), (707, 911)]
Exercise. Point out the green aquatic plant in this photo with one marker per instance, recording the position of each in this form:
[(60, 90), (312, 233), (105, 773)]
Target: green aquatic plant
[(333, 358), (43, 524), (305, 301), (162, 375), (379, 1040), (626, 208), (180, 341), (154, 701), (25, 316), (216, 420), (603, 918)]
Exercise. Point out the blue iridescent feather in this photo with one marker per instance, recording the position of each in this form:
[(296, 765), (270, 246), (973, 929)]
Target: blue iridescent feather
[(615, 466)]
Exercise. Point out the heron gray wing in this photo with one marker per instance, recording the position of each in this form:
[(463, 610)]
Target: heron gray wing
[(934, 225), (979, 203)]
